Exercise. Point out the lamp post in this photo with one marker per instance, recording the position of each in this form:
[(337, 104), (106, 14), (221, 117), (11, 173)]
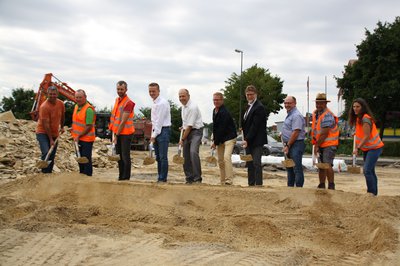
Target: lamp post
[(240, 87)]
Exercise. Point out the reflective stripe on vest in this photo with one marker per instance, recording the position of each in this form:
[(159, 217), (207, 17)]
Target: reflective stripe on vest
[(116, 117), (374, 141), (333, 134), (79, 124)]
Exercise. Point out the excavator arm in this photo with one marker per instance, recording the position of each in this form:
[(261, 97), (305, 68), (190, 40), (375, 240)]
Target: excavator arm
[(41, 95)]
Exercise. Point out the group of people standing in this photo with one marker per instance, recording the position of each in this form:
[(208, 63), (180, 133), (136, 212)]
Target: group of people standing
[(324, 134)]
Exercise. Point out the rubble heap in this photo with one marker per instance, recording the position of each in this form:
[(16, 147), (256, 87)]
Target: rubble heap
[(20, 150)]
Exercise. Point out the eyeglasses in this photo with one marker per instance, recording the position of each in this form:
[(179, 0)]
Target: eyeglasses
[(288, 102)]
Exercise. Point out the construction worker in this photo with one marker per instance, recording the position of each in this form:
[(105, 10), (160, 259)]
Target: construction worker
[(367, 140), (325, 138), (83, 131), (50, 125), (121, 125)]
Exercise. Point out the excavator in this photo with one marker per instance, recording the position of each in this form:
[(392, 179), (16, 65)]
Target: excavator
[(141, 136)]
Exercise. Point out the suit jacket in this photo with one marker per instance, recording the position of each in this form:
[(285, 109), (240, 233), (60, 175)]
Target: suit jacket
[(255, 125), (223, 126)]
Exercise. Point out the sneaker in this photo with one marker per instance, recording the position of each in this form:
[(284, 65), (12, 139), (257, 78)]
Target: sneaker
[(331, 186), (321, 185)]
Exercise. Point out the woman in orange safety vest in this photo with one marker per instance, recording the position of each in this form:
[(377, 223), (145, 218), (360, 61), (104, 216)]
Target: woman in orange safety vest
[(367, 140)]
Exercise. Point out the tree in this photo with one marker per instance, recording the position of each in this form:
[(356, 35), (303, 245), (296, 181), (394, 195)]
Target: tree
[(146, 112), (269, 87), (20, 103), (375, 76)]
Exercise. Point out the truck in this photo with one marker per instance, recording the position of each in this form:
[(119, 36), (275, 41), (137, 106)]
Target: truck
[(141, 137)]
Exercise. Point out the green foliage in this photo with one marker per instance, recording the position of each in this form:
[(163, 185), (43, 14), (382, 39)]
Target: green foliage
[(176, 121), (391, 149), (269, 87), (146, 112), (375, 76), (20, 103)]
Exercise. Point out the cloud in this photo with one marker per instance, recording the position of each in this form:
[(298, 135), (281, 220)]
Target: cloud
[(93, 44)]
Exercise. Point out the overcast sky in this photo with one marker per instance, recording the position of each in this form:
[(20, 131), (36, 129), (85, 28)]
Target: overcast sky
[(182, 44)]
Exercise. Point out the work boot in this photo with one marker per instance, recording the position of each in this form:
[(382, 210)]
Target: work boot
[(331, 186), (321, 185)]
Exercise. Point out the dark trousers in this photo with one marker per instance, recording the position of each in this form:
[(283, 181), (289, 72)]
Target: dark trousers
[(44, 144), (123, 148), (161, 151), (254, 168), (85, 149)]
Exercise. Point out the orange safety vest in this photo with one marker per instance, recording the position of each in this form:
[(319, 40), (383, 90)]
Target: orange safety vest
[(116, 117), (333, 135), (79, 124), (374, 141)]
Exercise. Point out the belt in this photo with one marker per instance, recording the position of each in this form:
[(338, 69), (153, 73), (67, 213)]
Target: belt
[(166, 127)]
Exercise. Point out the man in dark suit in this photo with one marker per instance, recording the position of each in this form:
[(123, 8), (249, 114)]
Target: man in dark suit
[(254, 125)]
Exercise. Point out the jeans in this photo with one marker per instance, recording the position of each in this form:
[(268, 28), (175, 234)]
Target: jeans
[(295, 175), (224, 151), (254, 168), (123, 148), (44, 144), (85, 149), (192, 166), (161, 151), (370, 158)]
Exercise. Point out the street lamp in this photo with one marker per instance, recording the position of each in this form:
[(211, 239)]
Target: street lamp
[(240, 86)]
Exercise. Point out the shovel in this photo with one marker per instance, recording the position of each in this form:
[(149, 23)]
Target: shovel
[(44, 163), (288, 163), (245, 157), (78, 158), (354, 169), (211, 160), (114, 156), (319, 165), (150, 159), (178, 159)]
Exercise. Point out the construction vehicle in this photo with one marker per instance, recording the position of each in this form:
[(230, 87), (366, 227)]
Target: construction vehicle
[(141, 137)]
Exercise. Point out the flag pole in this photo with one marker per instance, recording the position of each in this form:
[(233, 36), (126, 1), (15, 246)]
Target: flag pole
[(308, 104)]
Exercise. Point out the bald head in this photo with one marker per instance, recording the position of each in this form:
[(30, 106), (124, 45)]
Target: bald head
[(289, 102), (184, 96)]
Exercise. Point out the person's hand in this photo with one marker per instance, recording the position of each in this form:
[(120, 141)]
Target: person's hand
[(244, 145), (213, 146), (180, 142), (286, 149), (355, 151), (152, 140), (76, 139), (114, 140), (62, 130), (51, 142)]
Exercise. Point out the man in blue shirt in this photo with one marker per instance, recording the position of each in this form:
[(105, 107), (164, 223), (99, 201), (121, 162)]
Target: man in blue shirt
[(293, 135)]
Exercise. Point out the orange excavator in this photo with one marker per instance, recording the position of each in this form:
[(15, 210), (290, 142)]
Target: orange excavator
[(41, 95)]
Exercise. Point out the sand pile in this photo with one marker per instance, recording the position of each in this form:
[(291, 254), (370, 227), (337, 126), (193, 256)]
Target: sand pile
[(20, 150), (192, 225)]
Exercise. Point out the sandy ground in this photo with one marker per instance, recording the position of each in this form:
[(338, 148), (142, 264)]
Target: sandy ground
[(71, 219)]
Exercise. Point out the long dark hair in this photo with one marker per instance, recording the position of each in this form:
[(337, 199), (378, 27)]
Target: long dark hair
[(364, 110)]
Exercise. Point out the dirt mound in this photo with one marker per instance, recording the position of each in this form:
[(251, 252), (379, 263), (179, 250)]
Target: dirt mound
[(272, 224), (21, 151)]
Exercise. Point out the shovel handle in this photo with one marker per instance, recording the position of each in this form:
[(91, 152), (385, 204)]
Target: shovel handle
[(354, 147), (244, 150), (51, 150), (78, 154), (180, 138)]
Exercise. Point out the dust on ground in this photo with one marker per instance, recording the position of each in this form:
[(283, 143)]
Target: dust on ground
[(69, 218)]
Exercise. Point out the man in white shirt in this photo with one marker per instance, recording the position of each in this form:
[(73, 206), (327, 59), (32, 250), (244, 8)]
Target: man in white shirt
[(191, 139), (161, 130)]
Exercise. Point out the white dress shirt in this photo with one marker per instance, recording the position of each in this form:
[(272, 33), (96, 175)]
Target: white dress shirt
[(250, 104), (160, 116), (191, 116)]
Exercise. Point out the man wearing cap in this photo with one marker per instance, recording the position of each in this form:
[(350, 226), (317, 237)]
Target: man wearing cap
[(325, 138), (293, 135)]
